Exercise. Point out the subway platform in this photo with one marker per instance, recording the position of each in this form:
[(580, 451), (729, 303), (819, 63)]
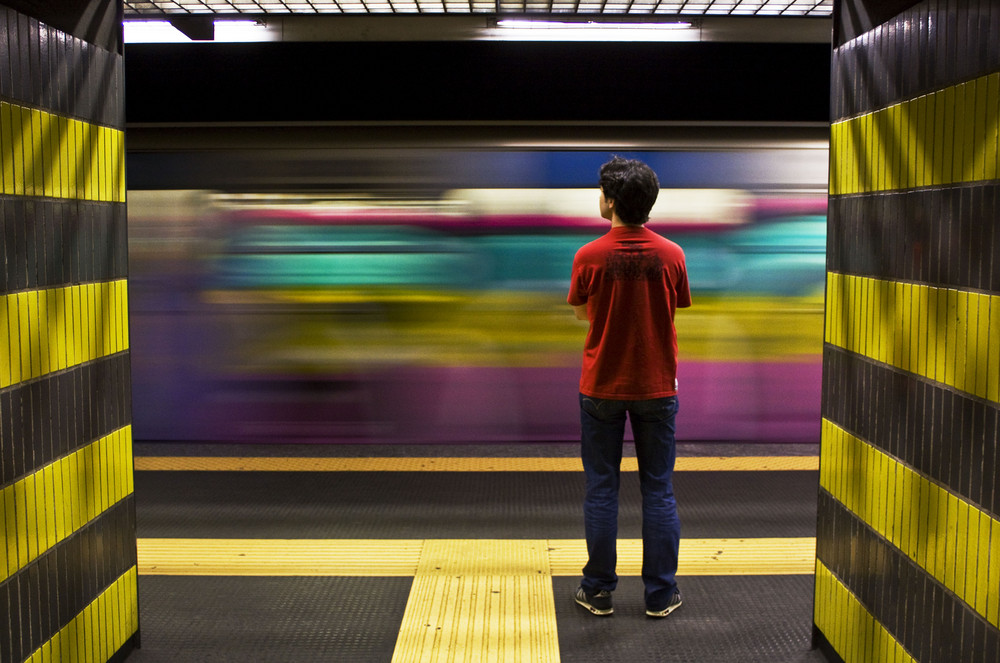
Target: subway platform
[(416, 553)]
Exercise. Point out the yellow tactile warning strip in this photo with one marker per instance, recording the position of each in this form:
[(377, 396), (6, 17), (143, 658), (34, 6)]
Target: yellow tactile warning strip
[(476, 597), (700, 557), (407, 557), (383, 558), (299, 464)]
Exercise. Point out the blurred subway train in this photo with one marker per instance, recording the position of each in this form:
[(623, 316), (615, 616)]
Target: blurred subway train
[(419, 296)]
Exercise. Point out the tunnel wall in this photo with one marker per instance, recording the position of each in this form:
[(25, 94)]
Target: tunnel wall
[(476, 81), (68, 570), (908, 540)]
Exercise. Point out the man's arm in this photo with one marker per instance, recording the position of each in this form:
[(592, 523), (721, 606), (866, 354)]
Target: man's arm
[(581, 312)]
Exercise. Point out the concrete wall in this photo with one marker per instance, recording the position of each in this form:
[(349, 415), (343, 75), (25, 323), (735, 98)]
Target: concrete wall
[(909, 510), (68, 566)]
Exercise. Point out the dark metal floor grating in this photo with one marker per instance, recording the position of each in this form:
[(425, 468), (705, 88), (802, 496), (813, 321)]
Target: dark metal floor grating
[(187, 619), (276, 619), (750, 619), (436, 505)]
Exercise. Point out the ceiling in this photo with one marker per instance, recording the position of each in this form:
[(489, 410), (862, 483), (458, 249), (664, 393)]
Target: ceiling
[(631, 8)]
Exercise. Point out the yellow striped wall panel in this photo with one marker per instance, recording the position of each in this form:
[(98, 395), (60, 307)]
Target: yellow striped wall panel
[(849, 627), (48, 155), (100, 630), (945, 137), (954, 541), (66, 506), (45, 507), (57, 328), (947, 335), (908, 544)]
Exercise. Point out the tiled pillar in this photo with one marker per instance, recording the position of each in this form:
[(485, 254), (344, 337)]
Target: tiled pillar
[(67, 566), (908, 547)]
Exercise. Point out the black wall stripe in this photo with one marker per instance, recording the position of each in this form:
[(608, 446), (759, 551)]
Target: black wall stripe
[(922, 49), (45, 68), (44, 596), (50, 417), (94, 21), (944, 434), (50, 243), (857, 18), (945, 237), (925, 617)]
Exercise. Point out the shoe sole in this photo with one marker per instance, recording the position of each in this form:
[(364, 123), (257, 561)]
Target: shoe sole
[(597, 611), (663, 613)]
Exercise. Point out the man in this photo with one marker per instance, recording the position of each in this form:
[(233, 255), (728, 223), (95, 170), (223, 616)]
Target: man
[(628, 285)]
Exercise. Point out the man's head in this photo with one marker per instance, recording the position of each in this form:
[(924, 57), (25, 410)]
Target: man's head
[(633, 187)]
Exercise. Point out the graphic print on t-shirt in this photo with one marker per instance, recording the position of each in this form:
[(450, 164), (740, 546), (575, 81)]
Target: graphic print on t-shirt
[(634, 266)]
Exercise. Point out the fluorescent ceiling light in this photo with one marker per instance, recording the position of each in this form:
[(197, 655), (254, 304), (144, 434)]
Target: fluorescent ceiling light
[(528, 30), (147, 32), (515, 23), (150, 32), (241, 31)]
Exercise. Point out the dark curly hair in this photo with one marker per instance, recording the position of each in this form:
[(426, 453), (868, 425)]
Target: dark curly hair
[(633, 186)]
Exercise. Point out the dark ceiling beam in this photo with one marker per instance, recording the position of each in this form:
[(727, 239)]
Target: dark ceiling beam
[(196, 28)]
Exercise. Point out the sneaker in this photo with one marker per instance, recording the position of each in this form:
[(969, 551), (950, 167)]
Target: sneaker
[(599, 603), (675, 603)]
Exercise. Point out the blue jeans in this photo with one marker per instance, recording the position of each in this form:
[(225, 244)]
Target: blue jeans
[(602, 432)]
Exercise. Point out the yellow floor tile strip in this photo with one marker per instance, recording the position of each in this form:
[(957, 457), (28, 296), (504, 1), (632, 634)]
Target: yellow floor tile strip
[(279, 557), (700, 557), (299, 464), (480, 600), (401, 557)]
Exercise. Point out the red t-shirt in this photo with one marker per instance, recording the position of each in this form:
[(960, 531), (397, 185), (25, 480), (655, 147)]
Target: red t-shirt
[(632, 281)]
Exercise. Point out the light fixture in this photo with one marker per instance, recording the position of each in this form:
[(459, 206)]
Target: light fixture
[(152, 32), (241, 30), (547, 30), (179, 31)]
